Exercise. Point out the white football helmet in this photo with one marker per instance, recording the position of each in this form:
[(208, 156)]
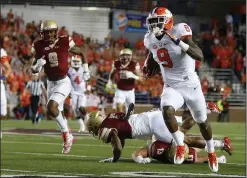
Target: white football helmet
[(76, 61)]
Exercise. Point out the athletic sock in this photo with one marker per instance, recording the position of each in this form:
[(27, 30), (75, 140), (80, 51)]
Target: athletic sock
[(178, 137)]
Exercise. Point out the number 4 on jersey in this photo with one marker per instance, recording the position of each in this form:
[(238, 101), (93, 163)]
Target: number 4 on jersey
[(163, 56), (77, 80)]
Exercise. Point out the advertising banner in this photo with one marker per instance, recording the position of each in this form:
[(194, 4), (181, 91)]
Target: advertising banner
[(128, 22)]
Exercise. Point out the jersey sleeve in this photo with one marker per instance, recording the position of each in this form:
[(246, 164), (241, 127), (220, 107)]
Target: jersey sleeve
[(184, 31), (71, 42), (4, 56), (105, 134)]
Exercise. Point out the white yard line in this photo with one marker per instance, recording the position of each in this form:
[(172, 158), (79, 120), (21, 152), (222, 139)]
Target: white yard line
[(159, 174), (49, 143), (84, 156), (76, 144)]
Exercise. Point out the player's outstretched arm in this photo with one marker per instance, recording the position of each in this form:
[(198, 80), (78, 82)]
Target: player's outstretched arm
[(116, 145), (141, 156)]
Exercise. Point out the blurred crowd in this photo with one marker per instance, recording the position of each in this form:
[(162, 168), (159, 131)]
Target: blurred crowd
[(225, 43), (224, 46)]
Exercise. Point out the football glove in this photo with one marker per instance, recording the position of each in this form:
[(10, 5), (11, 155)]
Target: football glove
[(86, 76), (39, 64), (108, 160)]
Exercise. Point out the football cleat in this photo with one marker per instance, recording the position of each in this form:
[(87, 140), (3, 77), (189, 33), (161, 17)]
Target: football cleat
[(213, 107), (213, 162), (227, 146), (179, 155), (68, 141)]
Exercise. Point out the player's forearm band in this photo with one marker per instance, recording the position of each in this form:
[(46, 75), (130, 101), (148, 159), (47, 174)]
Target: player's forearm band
[(85, 67), (183, 46)]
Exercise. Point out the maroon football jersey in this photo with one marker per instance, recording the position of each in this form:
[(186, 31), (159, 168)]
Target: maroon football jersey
[(56, 56), (115, 121), (122, 82), (192, 156), (159, 150)]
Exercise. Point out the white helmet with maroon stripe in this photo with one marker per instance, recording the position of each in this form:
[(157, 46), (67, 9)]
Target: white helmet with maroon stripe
[(159, 20)]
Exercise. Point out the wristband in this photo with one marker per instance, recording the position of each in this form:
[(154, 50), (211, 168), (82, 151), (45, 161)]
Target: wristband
[(85, 67), (183, 46)]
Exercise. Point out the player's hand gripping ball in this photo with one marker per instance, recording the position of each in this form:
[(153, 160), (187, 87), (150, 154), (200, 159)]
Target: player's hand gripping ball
[(151, 67)]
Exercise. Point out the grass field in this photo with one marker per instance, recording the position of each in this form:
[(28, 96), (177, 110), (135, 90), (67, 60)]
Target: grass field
[(40, 154)]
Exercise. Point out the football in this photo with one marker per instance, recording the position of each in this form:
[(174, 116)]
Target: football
[(151, 67)]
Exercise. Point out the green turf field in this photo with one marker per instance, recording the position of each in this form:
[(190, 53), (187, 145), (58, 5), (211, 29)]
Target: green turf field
[(40, 154)]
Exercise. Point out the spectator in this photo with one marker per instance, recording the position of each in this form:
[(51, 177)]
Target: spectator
[(204, 84), (220, 106), (225, 112)]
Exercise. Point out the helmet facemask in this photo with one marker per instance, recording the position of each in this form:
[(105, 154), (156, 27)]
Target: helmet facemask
[(76, 62), (125, 59), (49, 31), (50, 35), (159, 21)]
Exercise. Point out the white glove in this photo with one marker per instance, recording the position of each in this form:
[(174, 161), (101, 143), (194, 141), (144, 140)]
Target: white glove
[(109, 84), (221, 159), (108, 160), (140, 159), (130, 74), (40, 63), (86, 76)]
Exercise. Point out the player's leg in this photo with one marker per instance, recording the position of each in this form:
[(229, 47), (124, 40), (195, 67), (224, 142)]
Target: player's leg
[(75, 107), (195, 101), (57, 93), (188, 122), (3, 103), (3, 100), (171, 100), (158, 127), (82, 110), (130, 98), (120, 100), (199, 142)]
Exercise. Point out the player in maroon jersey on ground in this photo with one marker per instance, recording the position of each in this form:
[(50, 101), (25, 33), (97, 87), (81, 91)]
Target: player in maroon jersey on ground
[(51, 51), (164, 152), (116, 127), (125, 71)]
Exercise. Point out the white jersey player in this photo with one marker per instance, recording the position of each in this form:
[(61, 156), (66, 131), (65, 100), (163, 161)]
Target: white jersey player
[(173, 49), (78, 79), (4, 64)]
